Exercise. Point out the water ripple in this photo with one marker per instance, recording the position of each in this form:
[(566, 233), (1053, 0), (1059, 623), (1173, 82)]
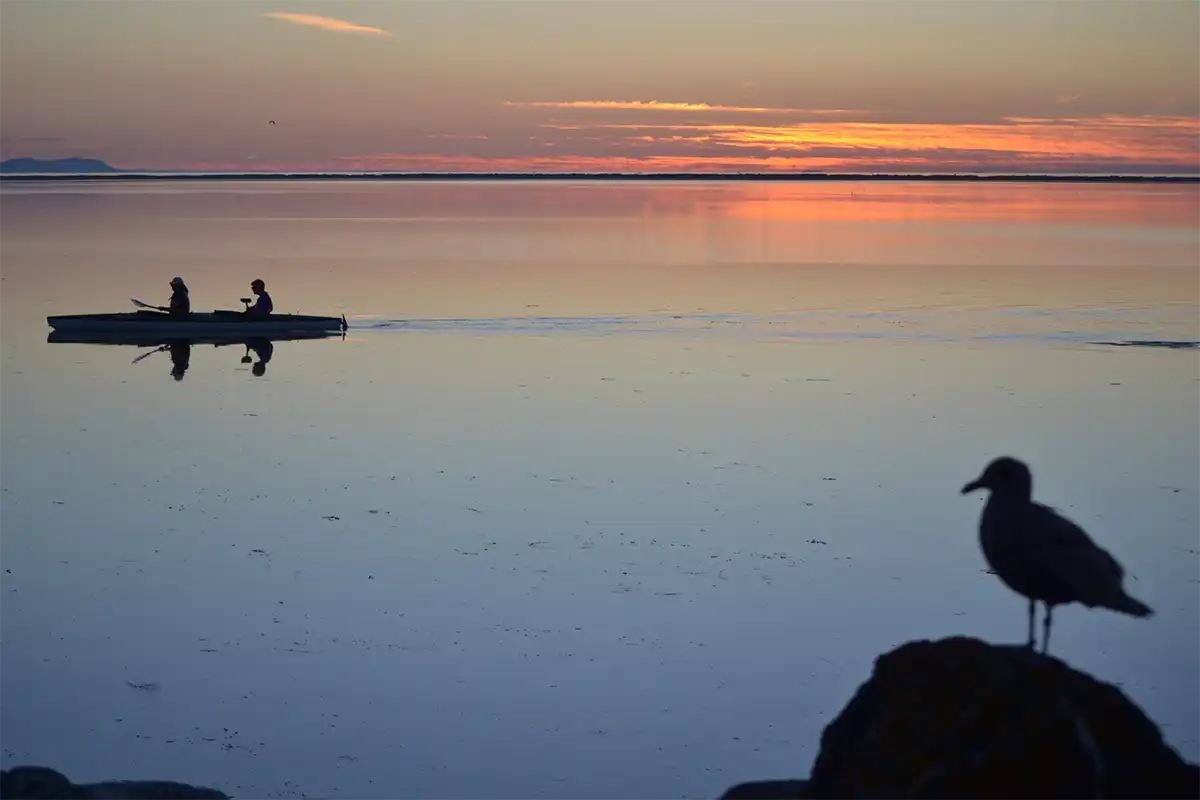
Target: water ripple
[(1164, 327)]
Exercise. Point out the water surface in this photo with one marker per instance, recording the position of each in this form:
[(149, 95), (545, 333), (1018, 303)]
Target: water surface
[(611, 490)]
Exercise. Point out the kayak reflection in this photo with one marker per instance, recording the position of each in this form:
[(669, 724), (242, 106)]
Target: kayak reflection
[(180, 349), (264, 350), (181, 354)]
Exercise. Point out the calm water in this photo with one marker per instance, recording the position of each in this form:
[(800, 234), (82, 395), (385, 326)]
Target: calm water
[(610, 490)]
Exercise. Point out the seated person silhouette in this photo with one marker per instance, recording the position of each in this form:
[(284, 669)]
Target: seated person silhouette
[(263, 306), (180, 304)]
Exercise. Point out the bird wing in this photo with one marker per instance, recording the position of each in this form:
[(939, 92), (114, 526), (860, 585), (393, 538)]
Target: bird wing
[(1066, 548)]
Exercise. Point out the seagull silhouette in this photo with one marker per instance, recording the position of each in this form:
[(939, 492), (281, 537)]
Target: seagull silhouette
[(1042, 555), (272, 122)]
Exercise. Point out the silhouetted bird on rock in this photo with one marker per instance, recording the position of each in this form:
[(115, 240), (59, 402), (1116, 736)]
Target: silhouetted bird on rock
[(1042, 555)]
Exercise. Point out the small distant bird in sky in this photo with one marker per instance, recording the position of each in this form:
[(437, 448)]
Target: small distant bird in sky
[(272, 121)]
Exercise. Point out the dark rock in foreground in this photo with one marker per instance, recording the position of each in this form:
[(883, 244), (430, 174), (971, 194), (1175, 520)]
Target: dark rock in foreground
[(961, 718), (42, 783), (768, 790)]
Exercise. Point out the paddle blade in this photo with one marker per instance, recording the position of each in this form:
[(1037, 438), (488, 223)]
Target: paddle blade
[(152, 352), (140, 304)]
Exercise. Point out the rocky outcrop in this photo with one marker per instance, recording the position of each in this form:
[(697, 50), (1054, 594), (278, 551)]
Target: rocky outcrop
[(768, 790), (42, 783), (962, 718)]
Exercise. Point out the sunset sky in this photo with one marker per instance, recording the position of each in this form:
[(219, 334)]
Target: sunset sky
[(1051, 86)]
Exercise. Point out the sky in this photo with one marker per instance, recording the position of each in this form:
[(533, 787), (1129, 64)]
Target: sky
[(900, 86)]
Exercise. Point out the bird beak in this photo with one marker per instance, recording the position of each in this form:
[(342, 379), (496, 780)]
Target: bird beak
[(972, 486)]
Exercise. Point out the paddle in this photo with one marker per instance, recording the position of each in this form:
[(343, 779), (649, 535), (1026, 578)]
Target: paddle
[(140, 304), (152, 352)]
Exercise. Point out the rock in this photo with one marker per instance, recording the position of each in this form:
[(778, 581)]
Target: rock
[(962, 718), (43, 783), (768, 790), (36, 783)]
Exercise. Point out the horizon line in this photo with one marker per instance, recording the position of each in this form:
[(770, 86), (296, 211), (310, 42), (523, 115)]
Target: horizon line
[(127, 175)]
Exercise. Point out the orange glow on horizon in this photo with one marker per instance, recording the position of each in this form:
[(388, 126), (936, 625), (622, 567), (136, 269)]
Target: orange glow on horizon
[(1024, 145), (655, 105), (1167, 140)]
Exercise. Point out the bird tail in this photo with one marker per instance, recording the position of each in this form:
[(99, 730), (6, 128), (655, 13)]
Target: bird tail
[(1127, 605)]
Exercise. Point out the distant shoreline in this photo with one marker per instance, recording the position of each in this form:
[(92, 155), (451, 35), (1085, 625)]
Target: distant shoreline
[(811, 177)]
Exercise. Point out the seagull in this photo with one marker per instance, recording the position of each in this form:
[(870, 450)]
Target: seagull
[(272, 121), (1042, 555)]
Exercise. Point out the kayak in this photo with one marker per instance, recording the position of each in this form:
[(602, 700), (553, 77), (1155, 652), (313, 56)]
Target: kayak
[(197, 325), (152, 339)]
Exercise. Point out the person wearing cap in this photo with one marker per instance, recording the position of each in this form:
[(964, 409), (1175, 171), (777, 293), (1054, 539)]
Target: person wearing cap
[(180, 304), (262, 305)]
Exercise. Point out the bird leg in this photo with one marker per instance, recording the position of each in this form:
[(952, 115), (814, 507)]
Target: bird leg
[(1046, 629), (1032, 643)]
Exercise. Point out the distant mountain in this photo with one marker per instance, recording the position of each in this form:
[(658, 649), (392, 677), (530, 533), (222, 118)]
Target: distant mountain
[(59, 165)]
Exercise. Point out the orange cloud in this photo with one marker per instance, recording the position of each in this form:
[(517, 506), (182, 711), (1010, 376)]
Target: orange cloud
[(719, 134), (325, 23), (655, 105), (1169, 141)]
